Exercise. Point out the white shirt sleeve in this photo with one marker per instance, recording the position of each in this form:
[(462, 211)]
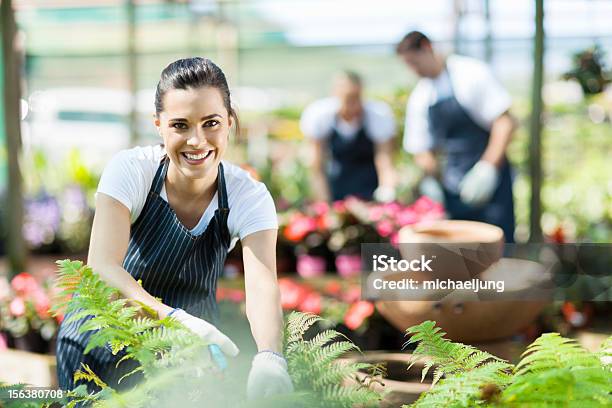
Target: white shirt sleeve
[(477, 90), (379, 121), (318, 118), (417, 136), (128, 176), (251, 205)]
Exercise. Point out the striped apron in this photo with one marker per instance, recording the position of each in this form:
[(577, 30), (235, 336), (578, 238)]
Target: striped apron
[(172, 263)]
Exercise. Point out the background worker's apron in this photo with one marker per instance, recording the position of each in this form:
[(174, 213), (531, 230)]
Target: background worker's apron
[(351, 169), (173, 264), (464, 142)]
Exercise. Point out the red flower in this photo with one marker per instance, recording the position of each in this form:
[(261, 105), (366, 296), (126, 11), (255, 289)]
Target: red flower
[(357, 313), (311, 303), (332, 288), (299, 226), (292, 294), (24, 284)]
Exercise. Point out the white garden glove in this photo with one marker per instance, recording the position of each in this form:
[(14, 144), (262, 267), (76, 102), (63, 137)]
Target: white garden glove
[(384, 194), (206, 331), (432, 188), (479, 184), (268, 376)]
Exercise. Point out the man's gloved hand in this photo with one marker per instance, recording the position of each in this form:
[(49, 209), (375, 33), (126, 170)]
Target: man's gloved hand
[(384, 194), (479, 184), (268, 376), (431, 187), (206, 331)]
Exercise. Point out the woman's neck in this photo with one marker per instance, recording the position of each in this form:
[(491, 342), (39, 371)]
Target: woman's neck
[(190, 189)]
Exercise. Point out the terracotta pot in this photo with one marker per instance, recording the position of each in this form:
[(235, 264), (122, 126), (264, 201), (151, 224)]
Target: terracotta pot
[(310, 266), (403, 386), (480, 244), (474, 321)]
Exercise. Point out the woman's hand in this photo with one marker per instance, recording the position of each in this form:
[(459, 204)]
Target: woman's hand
[(268, 376), (206, 331)]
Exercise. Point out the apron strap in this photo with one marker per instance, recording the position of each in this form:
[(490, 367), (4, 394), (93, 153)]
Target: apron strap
[(160, 175), (222, 190)]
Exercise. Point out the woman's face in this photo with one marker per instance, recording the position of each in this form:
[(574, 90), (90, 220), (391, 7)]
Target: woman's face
[(195, 128)]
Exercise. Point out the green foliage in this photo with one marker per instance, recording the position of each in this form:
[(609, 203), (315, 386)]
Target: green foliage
[(176, 368), (314, 371), (554, 371)]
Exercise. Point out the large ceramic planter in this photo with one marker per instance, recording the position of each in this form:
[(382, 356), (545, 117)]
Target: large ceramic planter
[(481, 245), (402, 386), (475, 321)]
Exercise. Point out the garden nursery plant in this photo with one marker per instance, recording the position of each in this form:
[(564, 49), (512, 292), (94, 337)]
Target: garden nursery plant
[(554, 372), (175, 369)]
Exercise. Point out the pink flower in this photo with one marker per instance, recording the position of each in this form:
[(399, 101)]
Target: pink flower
[(407, 216), (353, 294), (376, 213), (392, 208), (339, 206), (24, 284), (320, 208), (311, 303), (236, 295), (309, 266), (42, 304), (17, 307), (384, 228), (357, 313), (394, 239), (3, 345), (424, 204)]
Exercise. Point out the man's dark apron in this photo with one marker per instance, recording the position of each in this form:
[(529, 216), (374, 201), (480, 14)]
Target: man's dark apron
[(351, 169), (174, 265), (464, 142)]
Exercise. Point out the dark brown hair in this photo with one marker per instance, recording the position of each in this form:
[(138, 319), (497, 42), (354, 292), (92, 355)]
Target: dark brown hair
[(413, 41), (194, 72)]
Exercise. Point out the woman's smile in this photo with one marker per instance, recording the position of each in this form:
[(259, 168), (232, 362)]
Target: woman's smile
[(197, 157)]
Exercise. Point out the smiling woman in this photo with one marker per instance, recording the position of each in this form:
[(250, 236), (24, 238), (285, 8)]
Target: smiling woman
[(167, 215)]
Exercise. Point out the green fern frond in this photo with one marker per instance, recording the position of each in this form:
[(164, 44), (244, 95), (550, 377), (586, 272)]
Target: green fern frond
[(314, 370), (552, 351), (87, 374), (448, 357)]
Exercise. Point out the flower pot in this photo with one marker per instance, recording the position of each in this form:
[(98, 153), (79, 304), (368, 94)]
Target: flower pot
[(476, 321), (480, 244), (310, 266), (31, 341), (348, 265), (402, 386)]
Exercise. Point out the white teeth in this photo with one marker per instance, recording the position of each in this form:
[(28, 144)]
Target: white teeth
[(196, 156)]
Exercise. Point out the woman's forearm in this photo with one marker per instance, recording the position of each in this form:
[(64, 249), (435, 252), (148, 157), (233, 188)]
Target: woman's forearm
[(116, 276), (265, 316)]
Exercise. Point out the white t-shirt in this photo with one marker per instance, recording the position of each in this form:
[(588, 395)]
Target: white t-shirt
[(474, 86), (319, 118), (129, 175)]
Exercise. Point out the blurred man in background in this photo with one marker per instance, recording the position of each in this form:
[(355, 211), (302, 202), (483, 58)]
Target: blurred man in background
[(459, 109), (352, 141)]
